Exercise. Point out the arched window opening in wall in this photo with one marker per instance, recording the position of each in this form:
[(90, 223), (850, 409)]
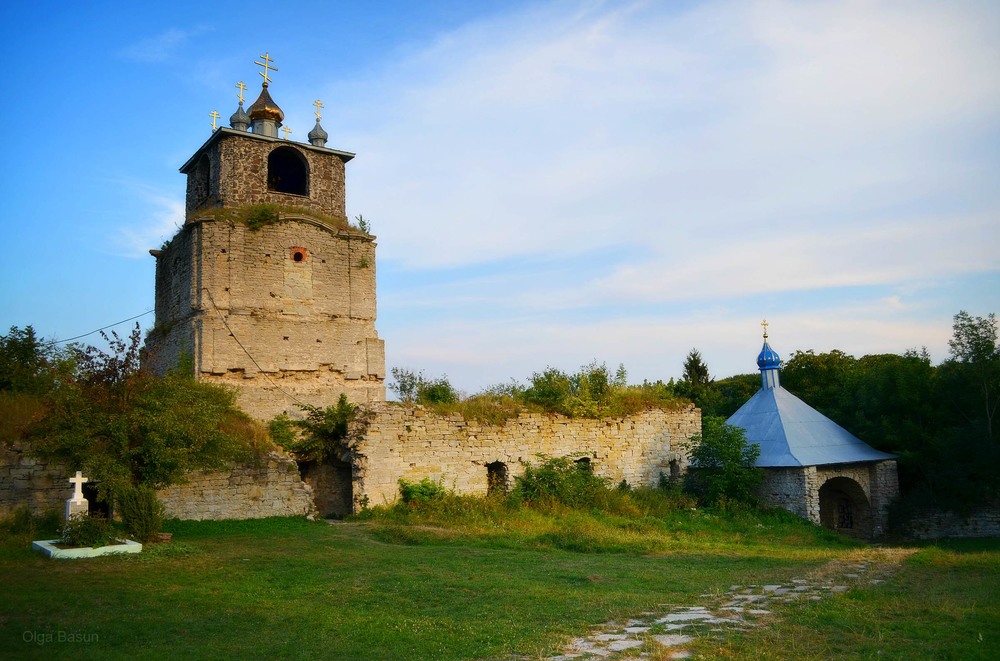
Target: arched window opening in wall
[(496, 478), (287, 171), (298, 254), (583, 463), (201, 179)]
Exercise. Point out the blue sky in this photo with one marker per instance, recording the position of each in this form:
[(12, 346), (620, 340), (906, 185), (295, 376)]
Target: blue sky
[(550, 182)]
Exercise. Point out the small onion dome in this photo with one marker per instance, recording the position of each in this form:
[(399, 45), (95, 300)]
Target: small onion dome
[(265, 108), (768, 358), (318, 136), (240, 120)]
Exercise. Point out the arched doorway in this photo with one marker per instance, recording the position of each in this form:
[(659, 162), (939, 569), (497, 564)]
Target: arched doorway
[(844, 507)]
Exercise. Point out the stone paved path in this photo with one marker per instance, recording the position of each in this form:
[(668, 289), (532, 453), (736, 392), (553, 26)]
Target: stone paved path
[(741, 607)]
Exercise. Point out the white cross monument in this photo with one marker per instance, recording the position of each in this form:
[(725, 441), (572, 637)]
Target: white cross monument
[(77, 504)]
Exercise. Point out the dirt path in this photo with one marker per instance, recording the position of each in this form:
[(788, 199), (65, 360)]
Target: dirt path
[(666, 633)]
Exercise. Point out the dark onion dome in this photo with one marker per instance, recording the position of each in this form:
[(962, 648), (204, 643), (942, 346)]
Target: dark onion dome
[(240, 119), (768, 358), (265, 107), (318, 134)]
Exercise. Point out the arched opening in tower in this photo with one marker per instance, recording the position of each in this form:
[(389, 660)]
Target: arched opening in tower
[(287, 172), (844, 507)]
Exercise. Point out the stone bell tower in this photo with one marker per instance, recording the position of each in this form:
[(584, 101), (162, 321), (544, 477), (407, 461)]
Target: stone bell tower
[(267, 287)]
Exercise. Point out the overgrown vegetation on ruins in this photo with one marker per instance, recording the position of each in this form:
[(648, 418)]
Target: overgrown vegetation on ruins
[(98, 412), (590, 392)]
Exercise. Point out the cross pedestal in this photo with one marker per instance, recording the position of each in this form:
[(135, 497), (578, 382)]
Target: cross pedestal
[(77, 504)]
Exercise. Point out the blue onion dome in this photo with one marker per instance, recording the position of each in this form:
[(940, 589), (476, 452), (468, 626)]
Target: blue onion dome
[(768, 358)]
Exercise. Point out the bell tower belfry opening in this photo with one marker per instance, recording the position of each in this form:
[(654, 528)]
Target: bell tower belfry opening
[(266, 286)]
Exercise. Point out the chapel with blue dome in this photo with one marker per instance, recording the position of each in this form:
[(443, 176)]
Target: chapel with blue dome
[(814, 467)]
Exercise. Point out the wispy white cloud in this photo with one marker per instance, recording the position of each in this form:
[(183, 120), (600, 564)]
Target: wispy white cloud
[(162, 46), (164, 218), (635, 125)]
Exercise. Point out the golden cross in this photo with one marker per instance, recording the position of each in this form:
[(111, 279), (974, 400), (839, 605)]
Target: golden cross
[(319, 106), (267, 65), (286, 131), (241, 86), (214, 115), (764, 324)]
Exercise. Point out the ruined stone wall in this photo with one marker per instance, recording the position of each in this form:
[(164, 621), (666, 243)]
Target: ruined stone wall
[(285, 313), (936, 524), (393, 442), (246, 492), (29, 482), (273, 488)]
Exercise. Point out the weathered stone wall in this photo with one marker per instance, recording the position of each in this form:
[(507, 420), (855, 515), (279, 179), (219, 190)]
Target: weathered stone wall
[(936, 524), (32, 483), (393, 442), (285, 312), (273, 488), (246, 492)]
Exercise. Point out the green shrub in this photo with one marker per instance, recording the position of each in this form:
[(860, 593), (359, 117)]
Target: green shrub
[(141, 512), (85, 530), (259, 215), (561, 480), (722, 472), (422, 491), (324, 431)]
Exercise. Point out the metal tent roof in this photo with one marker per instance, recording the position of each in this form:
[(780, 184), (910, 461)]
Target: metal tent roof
[(792, 433)]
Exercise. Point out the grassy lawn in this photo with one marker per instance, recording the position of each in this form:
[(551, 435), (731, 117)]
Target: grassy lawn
[(944, 603), (399, 587)]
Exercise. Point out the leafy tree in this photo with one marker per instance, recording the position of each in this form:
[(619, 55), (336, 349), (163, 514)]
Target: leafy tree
[(975, 370), (28, 365), (127, 428), (733, 392), (722, 469), (549, 389), (413, 387), (405, 384)]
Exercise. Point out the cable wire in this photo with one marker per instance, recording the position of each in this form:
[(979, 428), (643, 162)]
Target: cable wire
[(249, 355), (50, 343)]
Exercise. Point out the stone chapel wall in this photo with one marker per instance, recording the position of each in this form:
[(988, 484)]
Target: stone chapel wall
[(393, 442)]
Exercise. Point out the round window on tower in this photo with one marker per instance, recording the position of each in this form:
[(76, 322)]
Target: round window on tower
[(299, 255)]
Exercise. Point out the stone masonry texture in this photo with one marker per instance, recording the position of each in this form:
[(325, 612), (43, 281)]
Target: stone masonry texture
[(390, 442)]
